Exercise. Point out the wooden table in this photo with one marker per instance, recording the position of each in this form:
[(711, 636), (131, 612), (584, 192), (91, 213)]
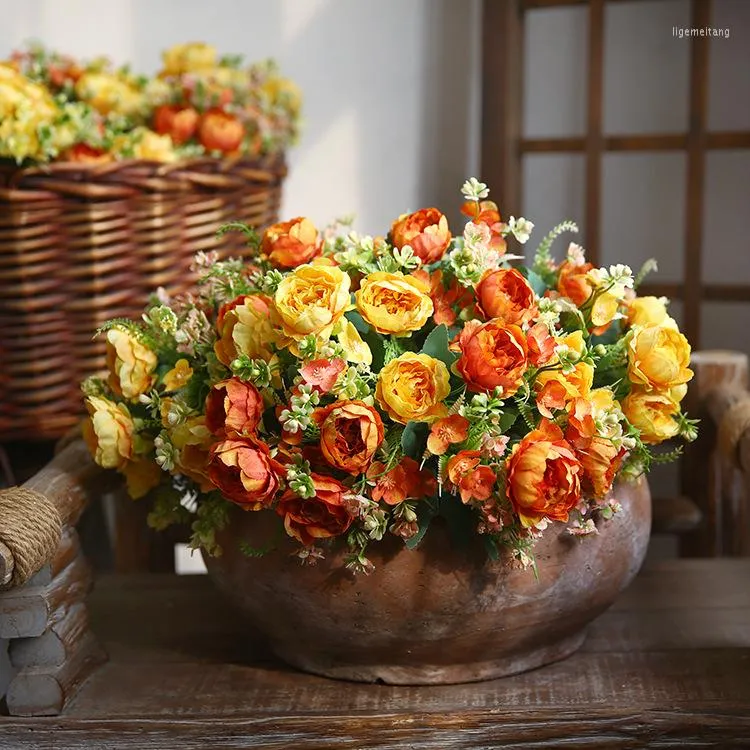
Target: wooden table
[(667, 666)]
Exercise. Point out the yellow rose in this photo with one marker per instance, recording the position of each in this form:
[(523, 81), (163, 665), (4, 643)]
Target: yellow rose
[(131, 364), (283, 92), (193, 441), (649, 311), (412, 388), (658, 358), (311, 300), (393, 303), (652, 412), (193, 57), (108, 432)]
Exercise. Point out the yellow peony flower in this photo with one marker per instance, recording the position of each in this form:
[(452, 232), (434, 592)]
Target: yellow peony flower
[(153, 147), (311, 300), (131, 364), (193, 57), (283, 92), (393, 303), (652, 412), (108, 432), (412, 388), (107, 93), (179, 375), (649, 311), (658, 358)]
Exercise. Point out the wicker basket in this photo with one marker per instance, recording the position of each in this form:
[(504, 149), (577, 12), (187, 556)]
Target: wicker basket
[(80, 244)]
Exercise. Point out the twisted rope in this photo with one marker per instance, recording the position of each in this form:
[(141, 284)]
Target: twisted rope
[(733, 425), (30, 528)]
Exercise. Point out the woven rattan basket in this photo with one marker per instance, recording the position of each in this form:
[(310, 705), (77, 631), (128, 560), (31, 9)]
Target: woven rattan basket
[(82, 243)]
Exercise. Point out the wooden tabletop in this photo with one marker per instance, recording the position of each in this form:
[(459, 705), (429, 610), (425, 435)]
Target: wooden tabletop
[(667, 666)]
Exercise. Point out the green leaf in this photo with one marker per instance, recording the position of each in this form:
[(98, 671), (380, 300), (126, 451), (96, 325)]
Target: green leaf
[(436, 345), (414, 439), (377, 347), (537, 283), (461, 519), (506, 421), (359, 322), (425, 514)]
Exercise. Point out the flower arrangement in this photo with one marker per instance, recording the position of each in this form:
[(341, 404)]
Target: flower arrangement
[(56, 108), (354, 387)]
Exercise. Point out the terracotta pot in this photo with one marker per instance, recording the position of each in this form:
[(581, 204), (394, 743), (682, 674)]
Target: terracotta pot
[(436, 614)]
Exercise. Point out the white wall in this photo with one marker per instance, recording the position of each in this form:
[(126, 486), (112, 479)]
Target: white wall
[(391, 86)]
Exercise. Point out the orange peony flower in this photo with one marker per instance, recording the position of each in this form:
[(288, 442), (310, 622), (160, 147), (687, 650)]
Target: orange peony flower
[(425, 231), (178, 122), (506, 294), (319, 517), (581, 427), (447, 431), (412, 387), (350, 433), (403, 482), (244, 472), (233, 406), (541, 344), (289, 244), (543, 476), (492, 354), (601, 461), (472, 480), (220, 131), (322, 374), (82, 153)]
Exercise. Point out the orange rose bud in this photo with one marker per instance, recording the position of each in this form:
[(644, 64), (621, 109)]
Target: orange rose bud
[(180, 123), (492, 354), (319, 517), (572, 282), (447, 431), (403, 482), (600, 461), (506, 294), (244, 472), (82, 153), (472, 480), (233, 406), (220, 131), (541, 344), (543, 476), (292, 243), (425, 231), (551, 396), (350, 433)]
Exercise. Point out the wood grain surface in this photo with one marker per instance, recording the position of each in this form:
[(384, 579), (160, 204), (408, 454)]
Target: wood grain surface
[(668, 666)]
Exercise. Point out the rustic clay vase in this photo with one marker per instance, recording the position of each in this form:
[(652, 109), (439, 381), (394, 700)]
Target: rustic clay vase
[(436, 614)]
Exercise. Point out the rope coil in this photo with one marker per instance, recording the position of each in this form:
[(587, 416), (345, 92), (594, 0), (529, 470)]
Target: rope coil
[(30, 527)]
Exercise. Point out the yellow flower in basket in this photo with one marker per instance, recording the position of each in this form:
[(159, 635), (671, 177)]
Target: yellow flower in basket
[(193, 57), (285, 93), (108, 93)]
